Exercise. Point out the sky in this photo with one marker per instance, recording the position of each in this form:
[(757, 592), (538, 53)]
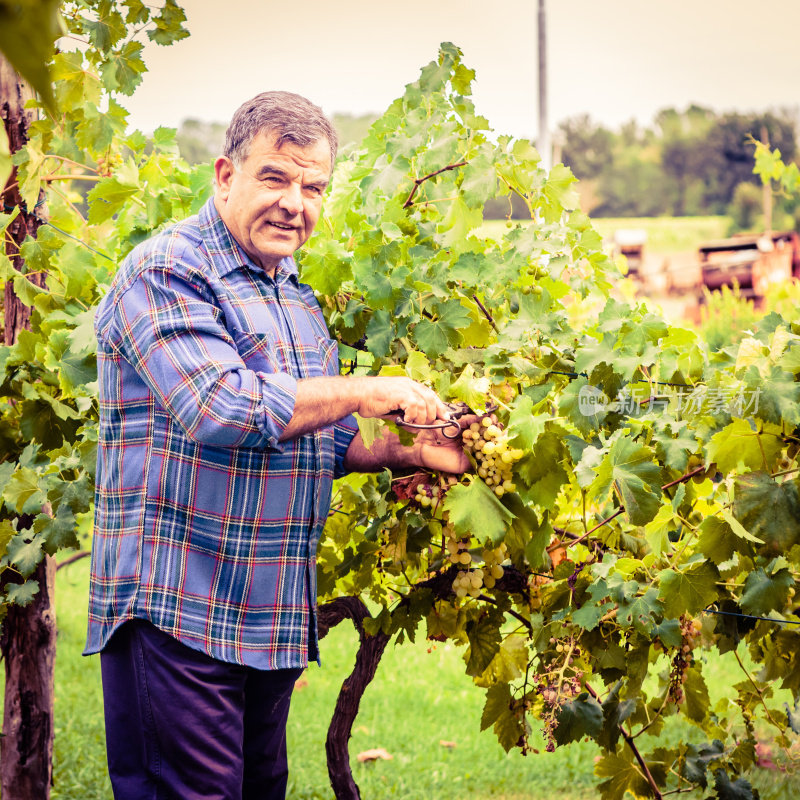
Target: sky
[(615, 60)]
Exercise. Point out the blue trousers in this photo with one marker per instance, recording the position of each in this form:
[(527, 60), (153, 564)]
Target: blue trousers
[(183, 726)]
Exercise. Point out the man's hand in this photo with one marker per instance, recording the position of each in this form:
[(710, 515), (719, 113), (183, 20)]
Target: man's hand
[(433, 450), (383, 395)]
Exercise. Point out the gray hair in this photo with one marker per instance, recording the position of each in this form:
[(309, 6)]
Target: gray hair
[(291, 117)]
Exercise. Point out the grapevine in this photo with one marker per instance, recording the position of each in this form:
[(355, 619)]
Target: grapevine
[(626, 483)]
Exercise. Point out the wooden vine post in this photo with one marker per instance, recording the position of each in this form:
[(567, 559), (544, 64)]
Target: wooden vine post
[(28, 641)]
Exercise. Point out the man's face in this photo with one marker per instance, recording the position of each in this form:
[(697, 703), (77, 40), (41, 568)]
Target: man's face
[(272, 200)]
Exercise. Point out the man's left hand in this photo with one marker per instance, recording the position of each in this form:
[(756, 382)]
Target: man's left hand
[(433, 450)]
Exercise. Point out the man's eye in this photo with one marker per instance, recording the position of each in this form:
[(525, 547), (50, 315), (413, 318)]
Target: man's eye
[(272, 180), (314, 190)]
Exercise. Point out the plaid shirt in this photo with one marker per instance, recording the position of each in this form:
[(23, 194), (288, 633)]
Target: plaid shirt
[(205, 524)]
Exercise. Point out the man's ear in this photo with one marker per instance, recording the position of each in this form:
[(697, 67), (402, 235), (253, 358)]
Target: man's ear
[(223, 175)]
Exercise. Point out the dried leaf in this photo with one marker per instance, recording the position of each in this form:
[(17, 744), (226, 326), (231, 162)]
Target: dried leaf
[(374, 755)]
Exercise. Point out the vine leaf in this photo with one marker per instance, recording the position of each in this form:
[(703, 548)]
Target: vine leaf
[(484, 643), (622, 775), (474, 509), (22, 593), (23, 492), (765, 592), (630, 468), (737, 528), (698, 759), (58, 531), (696, 693), (641, 611), (768, 510), (525, 426), (24, 553), (739, 445), (471, 388), (370, 429), (716, 541), (580, 717), (614, 714), (688, 591), (740, 789), (434, 336), (588, 616), (508, 663), (27, 35), (110, 195), (498, 702), (793, 716), (658, 529), (380, 333)]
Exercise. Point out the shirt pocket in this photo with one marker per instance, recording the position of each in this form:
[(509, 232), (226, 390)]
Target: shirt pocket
[(258, 350), (319, 357), (328, 355)]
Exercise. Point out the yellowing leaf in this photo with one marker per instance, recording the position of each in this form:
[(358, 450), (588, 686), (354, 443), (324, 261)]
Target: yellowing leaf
[(738, 528), (370, 429), (657, 530), (739, 446), (471, 389), (417, 366), (751, 351), (374, 754)]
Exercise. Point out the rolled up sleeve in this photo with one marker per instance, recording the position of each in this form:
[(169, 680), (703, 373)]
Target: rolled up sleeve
[(173, 336), (344, 432)]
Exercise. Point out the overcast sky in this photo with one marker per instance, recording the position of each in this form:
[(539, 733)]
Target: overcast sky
[(613, 59)]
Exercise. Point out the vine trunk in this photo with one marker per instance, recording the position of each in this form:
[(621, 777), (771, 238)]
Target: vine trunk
[(368, 657), (29, 632)]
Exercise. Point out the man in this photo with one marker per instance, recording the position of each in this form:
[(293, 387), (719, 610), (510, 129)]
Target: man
[(223, 421)]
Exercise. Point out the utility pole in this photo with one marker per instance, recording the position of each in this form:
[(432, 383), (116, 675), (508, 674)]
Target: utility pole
[(543, 142)]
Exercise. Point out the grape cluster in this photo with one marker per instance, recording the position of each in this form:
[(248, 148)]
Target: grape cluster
[(690, 631), (557, 684), (471, 581), (468, 582), (493, 570), (488, 443), (457, 547), (430, 492), (106, 165)]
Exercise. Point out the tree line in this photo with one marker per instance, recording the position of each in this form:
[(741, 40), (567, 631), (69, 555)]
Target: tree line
[(694, 162), (687, 163)]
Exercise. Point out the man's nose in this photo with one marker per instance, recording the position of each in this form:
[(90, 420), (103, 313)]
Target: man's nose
[(291, 199)]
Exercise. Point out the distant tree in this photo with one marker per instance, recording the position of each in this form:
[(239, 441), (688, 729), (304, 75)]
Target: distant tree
[(200, 141), (632, 187), (746, 207), (729, 153), (684, 152), (352, 128), (586, 147)]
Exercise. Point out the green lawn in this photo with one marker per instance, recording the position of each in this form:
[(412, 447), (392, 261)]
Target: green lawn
[(668, 235), (417, 700), (665, 235)]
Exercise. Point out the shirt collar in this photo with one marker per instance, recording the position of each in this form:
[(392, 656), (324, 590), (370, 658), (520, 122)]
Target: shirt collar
[(227, 254)]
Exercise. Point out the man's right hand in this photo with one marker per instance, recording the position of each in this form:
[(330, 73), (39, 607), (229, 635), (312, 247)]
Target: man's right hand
[(382, 396)]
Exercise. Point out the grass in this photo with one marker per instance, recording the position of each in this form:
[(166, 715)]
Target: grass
[(417, 700), (668, 235), (665, 235)]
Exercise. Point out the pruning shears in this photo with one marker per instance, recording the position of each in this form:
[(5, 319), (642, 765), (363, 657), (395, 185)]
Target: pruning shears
[(450, 428)]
